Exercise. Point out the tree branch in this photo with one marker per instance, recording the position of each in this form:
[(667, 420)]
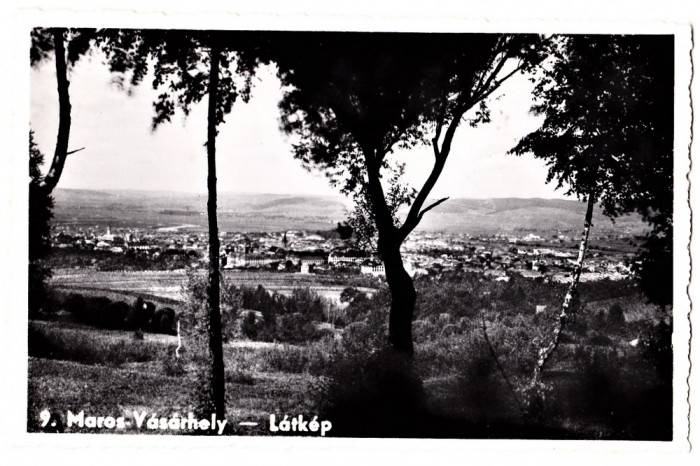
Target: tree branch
[(487, 84), (64, 114), (74, 151), (431, 206), (499, 82), (498, 365), (441, 152), (491, 59), (436, 139), (383, 218)]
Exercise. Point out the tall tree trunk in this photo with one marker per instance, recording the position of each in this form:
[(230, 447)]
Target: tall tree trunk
[(64, 114), (403, 293), (566, 311), (217, 386), (403, 298)]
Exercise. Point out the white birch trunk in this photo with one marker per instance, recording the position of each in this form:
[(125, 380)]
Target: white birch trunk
[(546, 351)]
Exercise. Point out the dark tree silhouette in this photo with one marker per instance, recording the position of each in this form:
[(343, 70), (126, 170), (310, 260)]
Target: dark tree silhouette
[(40, 205), (44, 44), (353, 98), (344, 230), (599, 138), (190, 65), (68, 46), (40, 214)]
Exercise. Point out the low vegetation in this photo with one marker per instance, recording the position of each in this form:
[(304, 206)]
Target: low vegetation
[(476, 341)]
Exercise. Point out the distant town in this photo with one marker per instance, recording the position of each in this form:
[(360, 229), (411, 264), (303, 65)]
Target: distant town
[(497, 256)]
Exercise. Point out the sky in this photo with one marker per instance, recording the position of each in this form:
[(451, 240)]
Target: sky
[(253, 155)]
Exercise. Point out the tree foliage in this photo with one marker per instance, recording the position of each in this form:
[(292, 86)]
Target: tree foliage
[(180, 64), (351, 99), (40, 215), (608, 133), (189, 65), (67, 46), (40, 205), (599, 133)]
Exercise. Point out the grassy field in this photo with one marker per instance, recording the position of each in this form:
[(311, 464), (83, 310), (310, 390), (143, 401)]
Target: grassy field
[(111, 373)]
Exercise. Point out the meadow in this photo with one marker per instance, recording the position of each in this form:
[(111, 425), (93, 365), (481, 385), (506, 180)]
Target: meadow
[(298, 353)]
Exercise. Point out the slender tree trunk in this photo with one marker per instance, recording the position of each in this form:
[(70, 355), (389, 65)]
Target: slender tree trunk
[(566, 311), (403, 298), (217, 385), (64, 115)]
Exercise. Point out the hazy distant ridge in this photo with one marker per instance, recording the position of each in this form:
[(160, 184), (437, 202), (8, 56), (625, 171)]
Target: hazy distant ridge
[(274, 212)]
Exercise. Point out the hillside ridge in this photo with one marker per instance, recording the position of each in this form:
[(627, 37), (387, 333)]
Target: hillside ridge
[(275, 212)]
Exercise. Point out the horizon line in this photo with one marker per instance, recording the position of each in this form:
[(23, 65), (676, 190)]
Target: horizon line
[(204, 193)]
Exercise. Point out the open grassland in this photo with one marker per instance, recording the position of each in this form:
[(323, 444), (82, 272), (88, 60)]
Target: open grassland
[(111, 373)]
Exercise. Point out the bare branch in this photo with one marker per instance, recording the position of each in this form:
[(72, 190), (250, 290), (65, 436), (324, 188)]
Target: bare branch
[(431, 206), (492, 58), (494, 73), (498, 83), (498, 364), (74, 151)]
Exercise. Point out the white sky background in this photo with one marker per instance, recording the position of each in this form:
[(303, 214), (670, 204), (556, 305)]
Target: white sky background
[(253, 155)]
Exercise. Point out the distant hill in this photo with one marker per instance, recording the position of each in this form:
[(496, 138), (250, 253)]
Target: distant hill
[(236, 212), (275, 212), (506, 215)]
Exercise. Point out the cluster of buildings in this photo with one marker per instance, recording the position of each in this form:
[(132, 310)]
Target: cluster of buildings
[(130, 241), (497, 256), (529, 255)]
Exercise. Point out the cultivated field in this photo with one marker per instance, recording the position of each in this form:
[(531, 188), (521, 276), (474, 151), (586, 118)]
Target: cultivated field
[(169, 284)]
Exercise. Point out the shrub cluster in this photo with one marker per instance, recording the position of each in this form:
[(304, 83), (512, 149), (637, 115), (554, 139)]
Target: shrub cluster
[(105, 313), (258, 314)]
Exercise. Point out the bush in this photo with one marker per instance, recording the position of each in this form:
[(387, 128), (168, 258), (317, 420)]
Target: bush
[(313, 358), (482, 392), (76, 304), (193, 314), (165, 321), (96, 310), (658, 351), (114, 315), (140, 315), (441, 356), (38, 291), (250, 327), (424, 331), (596, 339), (372, 395), (296, 328), (599, 381)]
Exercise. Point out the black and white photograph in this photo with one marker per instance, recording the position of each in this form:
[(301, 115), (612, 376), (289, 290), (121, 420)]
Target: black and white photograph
[(361, 232)]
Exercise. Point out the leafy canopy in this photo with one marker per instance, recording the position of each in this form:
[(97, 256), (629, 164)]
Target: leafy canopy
[(608, 133), (607, 114), (180, 60), (353, 98)]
